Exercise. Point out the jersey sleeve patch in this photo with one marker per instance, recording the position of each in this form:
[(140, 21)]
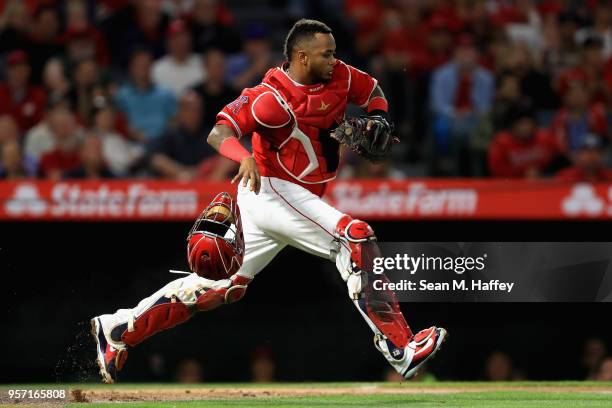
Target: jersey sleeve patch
[(238, 114), (235, 106)]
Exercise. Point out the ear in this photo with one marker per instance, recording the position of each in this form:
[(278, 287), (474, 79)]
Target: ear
[(302, 57)]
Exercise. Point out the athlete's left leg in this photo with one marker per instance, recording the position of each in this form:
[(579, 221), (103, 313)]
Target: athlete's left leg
[(316, 227), (177, 301)]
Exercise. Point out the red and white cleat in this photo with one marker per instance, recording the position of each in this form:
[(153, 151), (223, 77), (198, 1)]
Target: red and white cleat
[(423, 346), (109, 359)]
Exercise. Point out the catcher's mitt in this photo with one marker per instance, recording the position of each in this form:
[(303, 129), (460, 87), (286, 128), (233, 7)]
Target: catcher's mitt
[(373, 144)]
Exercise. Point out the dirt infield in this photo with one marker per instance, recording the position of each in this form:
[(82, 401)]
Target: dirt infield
[(99, 394)]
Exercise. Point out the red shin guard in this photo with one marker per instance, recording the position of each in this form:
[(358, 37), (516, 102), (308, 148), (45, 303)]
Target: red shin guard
[(381, 307), (384, 311), (169, 312), (160, 317)]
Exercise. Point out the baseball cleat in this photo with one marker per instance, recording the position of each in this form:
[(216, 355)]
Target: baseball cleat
[(423, 346), (109, 359)]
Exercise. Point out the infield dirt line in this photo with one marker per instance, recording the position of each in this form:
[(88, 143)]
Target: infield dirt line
[(164, 394)]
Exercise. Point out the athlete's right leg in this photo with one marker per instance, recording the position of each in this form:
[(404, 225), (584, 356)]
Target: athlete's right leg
[(303, 220), (173, 304), (176, 302)]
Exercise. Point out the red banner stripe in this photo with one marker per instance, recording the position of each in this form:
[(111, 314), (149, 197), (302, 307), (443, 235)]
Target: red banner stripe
[(369, 199)]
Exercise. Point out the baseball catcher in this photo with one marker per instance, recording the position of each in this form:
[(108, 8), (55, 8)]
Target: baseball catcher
[(296, 119)]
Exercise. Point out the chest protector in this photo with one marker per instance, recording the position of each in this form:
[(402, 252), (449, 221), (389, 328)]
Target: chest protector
[(309, 154)]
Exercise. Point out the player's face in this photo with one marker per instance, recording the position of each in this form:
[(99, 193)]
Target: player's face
[(321, 57)]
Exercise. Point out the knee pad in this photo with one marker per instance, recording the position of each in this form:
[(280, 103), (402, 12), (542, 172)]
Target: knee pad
[(358, 237), (355, 253), (214, 298), (354, 230)]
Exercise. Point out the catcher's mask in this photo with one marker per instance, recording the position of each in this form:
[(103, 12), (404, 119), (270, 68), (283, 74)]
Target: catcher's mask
[(215, 244)]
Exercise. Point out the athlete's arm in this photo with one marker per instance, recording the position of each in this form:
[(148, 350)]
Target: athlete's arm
[(223, 139), (377, 93), (365, 92), (377, 104)]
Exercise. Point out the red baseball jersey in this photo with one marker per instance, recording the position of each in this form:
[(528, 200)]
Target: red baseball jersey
[(28, 110), (511, 158), (291, 123)]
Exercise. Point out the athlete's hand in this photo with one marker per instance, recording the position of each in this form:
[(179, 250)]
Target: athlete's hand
[(248, 173)]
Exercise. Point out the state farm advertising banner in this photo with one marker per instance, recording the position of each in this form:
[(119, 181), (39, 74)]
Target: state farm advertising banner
[(107, 200), (373, 199), (472, 199)]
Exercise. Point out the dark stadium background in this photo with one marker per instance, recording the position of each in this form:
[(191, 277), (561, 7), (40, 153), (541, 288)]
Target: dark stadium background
[(56, 276)]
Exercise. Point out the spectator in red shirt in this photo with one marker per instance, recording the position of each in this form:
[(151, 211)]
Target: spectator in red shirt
[(65, 155), (576, 119), (402, 38), (82, 39), (92, 164), (455, 14), (588, 163), (368, 16), (523, 151), (24, 102), (438, 48)]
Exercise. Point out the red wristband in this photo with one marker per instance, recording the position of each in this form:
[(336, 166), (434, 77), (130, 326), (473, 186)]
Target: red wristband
[(378, 103), (233, 150)]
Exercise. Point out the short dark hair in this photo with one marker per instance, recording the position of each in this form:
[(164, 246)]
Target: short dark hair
[(302, 29)]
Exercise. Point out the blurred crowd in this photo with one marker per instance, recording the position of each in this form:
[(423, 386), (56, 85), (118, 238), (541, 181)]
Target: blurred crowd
[(594, 365), (477, 88)]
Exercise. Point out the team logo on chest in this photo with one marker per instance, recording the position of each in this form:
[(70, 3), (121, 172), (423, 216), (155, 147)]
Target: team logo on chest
[(323, 106)]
